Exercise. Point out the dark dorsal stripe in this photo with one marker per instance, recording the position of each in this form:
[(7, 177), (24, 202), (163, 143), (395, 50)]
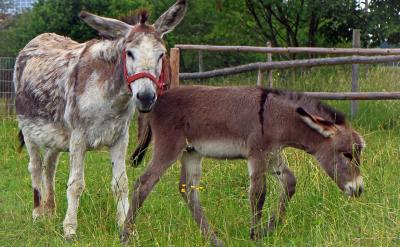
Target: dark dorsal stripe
[(263, 99)]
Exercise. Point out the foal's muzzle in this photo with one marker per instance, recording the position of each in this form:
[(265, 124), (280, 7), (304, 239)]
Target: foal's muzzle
[(355, 187)]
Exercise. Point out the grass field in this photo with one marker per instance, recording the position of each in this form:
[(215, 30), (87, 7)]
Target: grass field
[(318, 215)]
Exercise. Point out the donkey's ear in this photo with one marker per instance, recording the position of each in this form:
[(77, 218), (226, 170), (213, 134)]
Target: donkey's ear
[(322, 126), (107, 27), (171, 18)]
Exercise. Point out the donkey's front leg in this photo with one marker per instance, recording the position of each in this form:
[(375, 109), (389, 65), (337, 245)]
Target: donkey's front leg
[(119, 183), (76, 182), (142, 189), (257, 169), (287, 182), (189, 186)]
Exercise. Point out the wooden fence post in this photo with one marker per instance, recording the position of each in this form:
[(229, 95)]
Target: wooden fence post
[(270, 77), (201, 69), (174, 61), (260, 75), (260, 78), (354, 75)]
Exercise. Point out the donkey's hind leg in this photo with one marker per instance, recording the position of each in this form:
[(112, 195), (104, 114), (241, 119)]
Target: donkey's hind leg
[(50, 165), (257, 172), (36, 171), (287, 182), (189, 186)]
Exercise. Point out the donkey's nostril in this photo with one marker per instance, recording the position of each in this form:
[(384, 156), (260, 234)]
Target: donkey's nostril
[(355, 192), (360, 190), (146, 97)]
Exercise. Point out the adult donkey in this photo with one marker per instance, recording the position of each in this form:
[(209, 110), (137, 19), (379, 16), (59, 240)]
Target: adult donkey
[(189, 123), (78, 97)]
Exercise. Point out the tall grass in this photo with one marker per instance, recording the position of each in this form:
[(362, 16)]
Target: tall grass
[(318, 215)]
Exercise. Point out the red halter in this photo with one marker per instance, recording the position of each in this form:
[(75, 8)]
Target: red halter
[(131, 79)]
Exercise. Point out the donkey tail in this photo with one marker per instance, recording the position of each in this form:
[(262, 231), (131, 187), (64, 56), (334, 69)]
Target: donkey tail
[(140, 151), (21, 141)]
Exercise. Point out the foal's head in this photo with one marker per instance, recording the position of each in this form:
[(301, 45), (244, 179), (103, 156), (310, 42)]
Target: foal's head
[(338, 149), (139, 50)]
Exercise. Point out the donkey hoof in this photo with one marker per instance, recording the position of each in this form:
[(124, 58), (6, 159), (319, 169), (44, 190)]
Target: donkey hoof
[(125, 235), (217, 243), (255, 235), (271, 226), (38, 213), (69, 233), (69, 238)]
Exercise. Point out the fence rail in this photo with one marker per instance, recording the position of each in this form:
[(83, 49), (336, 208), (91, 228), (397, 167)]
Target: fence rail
[(288, 64), (292, 50), (369, 56), (355, 96)]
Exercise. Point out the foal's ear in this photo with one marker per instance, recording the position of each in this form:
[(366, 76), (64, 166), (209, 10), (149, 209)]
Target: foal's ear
[(325, 127), (171, 18), (107, 27)]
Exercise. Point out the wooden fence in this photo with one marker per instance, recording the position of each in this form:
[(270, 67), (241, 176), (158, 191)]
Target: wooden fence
[(359, 56)]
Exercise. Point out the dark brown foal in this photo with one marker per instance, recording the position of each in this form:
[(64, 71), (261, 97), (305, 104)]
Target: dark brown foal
[(189, 123)]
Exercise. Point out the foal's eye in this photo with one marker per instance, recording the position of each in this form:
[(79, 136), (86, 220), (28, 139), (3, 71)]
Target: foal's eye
[(130, 54), (161, 56), (348, 156)]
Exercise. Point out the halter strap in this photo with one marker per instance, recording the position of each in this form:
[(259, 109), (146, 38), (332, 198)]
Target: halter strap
[(131, 79)]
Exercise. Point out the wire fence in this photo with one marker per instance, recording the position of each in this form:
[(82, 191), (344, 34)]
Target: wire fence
[(7, 92)]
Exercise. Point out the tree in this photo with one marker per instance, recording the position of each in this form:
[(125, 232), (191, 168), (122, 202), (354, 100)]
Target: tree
[(305, 22), (213, 22), (384, 22), (5, 16), (61, 17), (5, 6)]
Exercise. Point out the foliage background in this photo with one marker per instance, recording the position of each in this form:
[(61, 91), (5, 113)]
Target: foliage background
[(247, 22)]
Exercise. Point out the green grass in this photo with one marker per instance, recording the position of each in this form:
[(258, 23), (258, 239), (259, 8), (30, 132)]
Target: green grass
[(318, 215)]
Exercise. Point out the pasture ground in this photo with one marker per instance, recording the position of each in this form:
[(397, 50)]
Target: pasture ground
[(318, 215)]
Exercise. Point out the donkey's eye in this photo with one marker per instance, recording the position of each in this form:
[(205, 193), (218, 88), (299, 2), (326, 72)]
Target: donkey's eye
[(348, 156), (161, 56), (130, 54)]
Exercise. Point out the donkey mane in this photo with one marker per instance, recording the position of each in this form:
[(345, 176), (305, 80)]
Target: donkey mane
[(143, 15), (134, 17), (301, 100)]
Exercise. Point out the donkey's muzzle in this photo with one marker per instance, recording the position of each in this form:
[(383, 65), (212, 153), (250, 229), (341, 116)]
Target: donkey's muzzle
[(355, 192), (355, 187), (146, 101)]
